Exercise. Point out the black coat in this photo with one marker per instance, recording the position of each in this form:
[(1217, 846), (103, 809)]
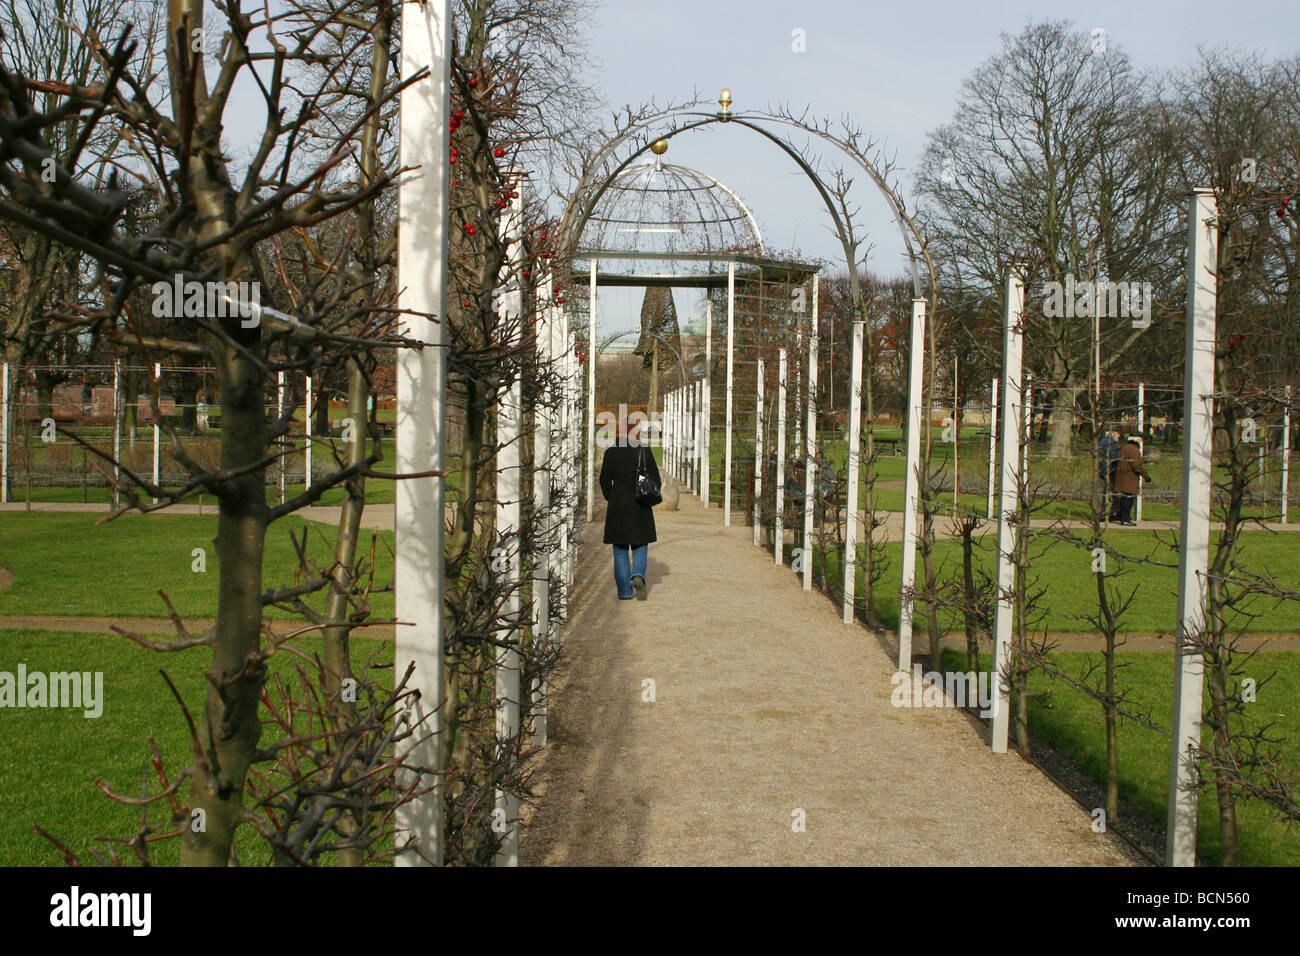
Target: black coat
[(627, 522)]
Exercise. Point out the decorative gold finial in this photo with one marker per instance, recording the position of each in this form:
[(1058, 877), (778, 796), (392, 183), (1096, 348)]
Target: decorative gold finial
[(725, 101), (659, 147)]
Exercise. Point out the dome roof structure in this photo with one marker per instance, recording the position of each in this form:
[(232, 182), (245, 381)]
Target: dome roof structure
[(652, 214)]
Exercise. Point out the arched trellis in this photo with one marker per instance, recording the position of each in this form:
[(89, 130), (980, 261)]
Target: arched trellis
[(665, 125)]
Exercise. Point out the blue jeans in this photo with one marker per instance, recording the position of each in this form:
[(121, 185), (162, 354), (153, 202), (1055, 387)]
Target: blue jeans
[(623, 574)]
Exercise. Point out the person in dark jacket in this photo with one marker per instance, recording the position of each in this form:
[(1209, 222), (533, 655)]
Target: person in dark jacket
[(629, 525), (1107, 464), (1127, 486)]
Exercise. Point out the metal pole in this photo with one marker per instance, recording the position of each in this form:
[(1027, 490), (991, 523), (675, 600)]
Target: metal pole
[(421, 395), (508, 520), (993, 446), (307, 410), (1286, 452), (701, 457), (758, 451), (798, 394), (1193, 558), (956, 443), (543, 423), (1142, 443), (279, 414), (1029, 425), (670, 413), (731, 344), (778, 549), (708, 397), (4, 429), (1013, 344), (851, 494), (912, 483), (810, 449), (117, 430), (157, 374), (591, 393)]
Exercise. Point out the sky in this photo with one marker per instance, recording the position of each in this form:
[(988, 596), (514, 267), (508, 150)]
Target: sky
[(896, 68)]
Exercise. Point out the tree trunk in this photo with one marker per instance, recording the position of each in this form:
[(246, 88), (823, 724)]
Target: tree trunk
[(231, 727), (338, 660)]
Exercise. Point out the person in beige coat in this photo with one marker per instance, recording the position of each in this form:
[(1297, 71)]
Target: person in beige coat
[(1127, 486)]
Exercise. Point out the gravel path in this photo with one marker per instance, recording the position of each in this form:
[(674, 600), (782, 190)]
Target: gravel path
[(765, 705)]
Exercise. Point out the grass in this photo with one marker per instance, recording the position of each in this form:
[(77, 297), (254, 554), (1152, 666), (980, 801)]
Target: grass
[(1071, 723), (66, 564), (52, 757)]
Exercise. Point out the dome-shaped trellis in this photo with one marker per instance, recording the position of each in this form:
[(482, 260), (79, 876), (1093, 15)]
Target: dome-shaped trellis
[(660, 219)]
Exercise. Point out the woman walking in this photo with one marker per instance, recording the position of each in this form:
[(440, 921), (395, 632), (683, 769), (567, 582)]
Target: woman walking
[(629, 525)]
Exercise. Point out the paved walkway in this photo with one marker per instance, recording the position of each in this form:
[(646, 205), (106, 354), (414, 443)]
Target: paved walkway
[(766, 709)]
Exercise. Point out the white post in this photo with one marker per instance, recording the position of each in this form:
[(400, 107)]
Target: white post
[(693, 434), (4, 428), (731, 342), (1286, 451), (568, 453), (758, 451), (284, 442), (993, 443), (1142, 443), (422, 273), (508, 519), (1013, 345), (306, 431), (157, 427), (778, 550), (810, 448), (674, 426), (851, 493), (591, 393), (912, 483), (1193, 558)]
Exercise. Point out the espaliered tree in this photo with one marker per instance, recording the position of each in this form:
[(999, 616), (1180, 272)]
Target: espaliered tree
[(310, 217)]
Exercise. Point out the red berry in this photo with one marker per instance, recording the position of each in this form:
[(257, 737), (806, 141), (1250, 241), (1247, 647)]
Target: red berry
[(470, 229), (465, 305), (559, 302), (453, 160), (527, 273), (502, 203), (498, 152), (472, 82), (458, 115), (556, 290)]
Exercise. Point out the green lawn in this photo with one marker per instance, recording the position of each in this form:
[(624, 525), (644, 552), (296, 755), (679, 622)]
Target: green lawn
[(52, 757), (1071, 723), (1065, 571)]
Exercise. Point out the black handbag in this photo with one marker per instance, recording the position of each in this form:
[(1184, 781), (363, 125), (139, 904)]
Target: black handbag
[(647, 489)]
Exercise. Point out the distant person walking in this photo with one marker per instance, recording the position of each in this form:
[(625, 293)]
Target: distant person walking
[(629, 525), (1129, 469)]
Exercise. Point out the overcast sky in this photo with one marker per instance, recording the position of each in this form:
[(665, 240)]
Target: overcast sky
[(896, 68)]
